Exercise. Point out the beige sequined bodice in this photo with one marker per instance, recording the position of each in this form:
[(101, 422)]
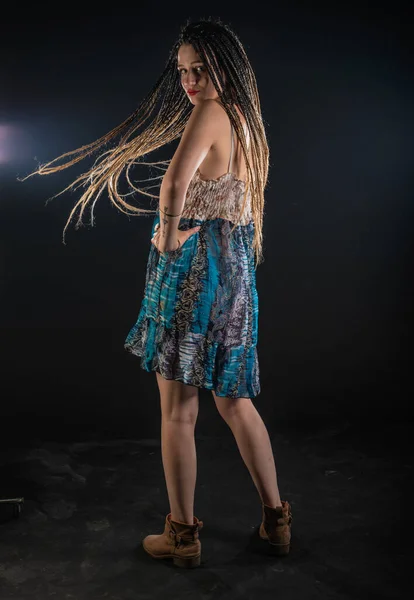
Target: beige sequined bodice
[(217, 198)]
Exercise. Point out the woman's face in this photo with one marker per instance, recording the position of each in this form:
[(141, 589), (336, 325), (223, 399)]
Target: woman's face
[(194, 75)]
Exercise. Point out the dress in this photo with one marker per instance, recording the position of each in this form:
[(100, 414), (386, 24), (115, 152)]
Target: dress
[(198, 321)]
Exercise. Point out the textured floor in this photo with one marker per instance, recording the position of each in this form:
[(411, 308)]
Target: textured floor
[(88, 504)]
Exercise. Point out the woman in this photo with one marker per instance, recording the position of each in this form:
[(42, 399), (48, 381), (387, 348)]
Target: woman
[(197, 326)]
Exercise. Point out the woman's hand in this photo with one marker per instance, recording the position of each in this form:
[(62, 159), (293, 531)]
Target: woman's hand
[(181, 238)]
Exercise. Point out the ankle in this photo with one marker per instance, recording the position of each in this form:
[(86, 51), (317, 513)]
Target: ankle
[(277, 504), (182, 519)]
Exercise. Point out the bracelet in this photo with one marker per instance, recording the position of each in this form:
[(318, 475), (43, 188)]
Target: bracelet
[(168, 215)]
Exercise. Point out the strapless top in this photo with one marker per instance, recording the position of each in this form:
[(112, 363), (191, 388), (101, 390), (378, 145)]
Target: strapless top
[(217, 198)]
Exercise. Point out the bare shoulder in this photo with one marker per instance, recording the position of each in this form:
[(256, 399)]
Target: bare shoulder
[(209, 112), (212, 112), (203, 129)]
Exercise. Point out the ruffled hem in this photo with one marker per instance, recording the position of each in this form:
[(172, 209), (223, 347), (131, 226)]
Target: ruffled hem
[(197, 362)]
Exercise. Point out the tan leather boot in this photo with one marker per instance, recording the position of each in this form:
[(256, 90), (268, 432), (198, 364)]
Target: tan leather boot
[(276, 527), (179, 541)]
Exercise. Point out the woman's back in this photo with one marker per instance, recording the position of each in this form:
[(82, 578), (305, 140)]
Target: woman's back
[(216, 161), (217, 188)]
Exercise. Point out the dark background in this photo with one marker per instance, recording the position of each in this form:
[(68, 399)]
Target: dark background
[(335, 290)]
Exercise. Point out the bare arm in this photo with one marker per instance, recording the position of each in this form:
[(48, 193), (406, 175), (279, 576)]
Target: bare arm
[(199, 134)]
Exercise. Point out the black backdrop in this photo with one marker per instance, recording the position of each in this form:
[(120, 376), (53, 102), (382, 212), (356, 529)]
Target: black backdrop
[(335, 290)]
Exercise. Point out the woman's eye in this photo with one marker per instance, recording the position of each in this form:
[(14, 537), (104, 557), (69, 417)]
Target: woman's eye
[(201, 68)]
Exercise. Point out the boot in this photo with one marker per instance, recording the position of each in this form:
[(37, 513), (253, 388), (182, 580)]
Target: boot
[(276, 527), (179, 541)]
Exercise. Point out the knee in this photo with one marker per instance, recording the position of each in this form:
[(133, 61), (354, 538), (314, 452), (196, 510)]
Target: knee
[(231, 408), (181, 416)]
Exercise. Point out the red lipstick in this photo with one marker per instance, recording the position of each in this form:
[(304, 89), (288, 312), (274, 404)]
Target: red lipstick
[(192, 92)]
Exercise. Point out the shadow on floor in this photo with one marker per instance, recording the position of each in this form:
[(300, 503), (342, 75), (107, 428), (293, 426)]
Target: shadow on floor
[(88, 504)]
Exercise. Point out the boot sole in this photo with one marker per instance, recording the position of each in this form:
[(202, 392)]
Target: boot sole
[(279, 549), (186, 563), (276, 549)]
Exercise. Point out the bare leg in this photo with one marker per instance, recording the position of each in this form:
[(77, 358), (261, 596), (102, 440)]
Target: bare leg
[(179, 410), (254, 444)]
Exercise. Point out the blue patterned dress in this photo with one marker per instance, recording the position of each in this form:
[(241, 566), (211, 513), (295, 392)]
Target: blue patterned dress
[(198, 321)]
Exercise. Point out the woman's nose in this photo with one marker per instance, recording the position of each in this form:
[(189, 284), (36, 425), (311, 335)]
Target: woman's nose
[(191, 79)]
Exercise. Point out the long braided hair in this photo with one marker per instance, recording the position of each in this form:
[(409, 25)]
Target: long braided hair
[(222, 52)]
